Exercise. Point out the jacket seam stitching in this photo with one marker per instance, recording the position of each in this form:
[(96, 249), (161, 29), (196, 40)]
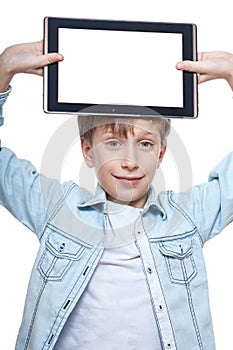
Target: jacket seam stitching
[(55, 331), (61, 201), (187, 217), (57, 207), (34, 315), (192, 310)]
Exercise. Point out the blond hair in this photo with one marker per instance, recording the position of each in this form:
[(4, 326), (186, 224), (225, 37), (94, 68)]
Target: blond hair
[(121, 125)]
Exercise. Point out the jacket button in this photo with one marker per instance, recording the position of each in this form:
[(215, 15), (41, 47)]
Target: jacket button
[(62, 247), (149, 270)]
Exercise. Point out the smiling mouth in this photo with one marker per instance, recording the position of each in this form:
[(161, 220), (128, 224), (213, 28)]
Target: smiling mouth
[(131, 180)]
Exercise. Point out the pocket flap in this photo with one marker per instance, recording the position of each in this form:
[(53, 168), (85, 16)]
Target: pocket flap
[(177, 248), (64, 247)]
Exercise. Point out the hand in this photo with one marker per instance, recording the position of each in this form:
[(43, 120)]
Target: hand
[(210, 65), (24, 58)]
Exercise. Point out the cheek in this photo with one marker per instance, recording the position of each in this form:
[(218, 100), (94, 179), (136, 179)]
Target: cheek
[(103, 164), (101, 156), (103, 169), (104, 160), (149, 162), (99, 159)]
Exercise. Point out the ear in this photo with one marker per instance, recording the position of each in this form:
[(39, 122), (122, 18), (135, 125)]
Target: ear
[(161, 154), (87, 153)]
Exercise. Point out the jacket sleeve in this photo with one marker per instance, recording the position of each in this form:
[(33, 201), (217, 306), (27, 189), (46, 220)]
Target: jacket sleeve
[(210, 205), (28, 195)]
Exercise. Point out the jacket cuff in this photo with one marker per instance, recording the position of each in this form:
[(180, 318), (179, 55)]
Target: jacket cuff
[(3, 98)]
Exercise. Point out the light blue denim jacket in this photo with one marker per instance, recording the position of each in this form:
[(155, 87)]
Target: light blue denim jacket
[(70, 224)]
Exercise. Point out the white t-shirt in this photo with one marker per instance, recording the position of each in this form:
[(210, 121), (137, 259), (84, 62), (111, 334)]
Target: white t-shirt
[(115, 311)]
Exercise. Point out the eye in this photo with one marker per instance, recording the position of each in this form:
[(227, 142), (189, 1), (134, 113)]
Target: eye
[(113, 144), (145, 144)]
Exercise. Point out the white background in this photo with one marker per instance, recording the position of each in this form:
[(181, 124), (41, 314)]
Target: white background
[(28, 130)]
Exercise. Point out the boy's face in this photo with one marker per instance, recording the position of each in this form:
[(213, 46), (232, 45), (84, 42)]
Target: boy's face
[(125, 166)]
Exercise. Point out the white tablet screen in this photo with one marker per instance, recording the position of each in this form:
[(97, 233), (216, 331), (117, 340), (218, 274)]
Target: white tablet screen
[(120, 67)]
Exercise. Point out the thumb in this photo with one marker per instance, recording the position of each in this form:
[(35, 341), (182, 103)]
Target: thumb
[(45, 60), (50, 58), (189, 66)]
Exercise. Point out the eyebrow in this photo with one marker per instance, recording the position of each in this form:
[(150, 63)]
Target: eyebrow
[(146, 134), (151, 134)]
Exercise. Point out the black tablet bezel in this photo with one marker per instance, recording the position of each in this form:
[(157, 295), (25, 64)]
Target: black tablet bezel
[(189, 43)]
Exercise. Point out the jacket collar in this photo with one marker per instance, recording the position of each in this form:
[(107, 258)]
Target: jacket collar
[(99, 200)]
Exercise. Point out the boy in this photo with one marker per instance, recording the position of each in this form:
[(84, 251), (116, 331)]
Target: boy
[(142, 291)]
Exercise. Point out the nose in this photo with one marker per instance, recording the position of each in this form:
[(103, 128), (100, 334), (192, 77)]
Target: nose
[(129, 164), (129, 159)]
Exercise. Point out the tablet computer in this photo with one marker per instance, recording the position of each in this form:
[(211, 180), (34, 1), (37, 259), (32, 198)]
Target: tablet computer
[(120, 68)]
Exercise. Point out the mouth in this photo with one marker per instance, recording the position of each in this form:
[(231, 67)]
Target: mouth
[(129, 180)]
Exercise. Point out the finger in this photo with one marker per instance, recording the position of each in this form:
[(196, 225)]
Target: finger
[(190, 66), (51, 58), (41, 61)]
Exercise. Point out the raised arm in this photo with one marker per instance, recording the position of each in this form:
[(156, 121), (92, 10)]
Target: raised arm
[(211, 65), (24, 192), (24, 58)]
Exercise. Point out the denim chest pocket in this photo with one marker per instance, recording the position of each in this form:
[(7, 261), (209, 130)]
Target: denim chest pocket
[(59, 254), (179, 258)]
